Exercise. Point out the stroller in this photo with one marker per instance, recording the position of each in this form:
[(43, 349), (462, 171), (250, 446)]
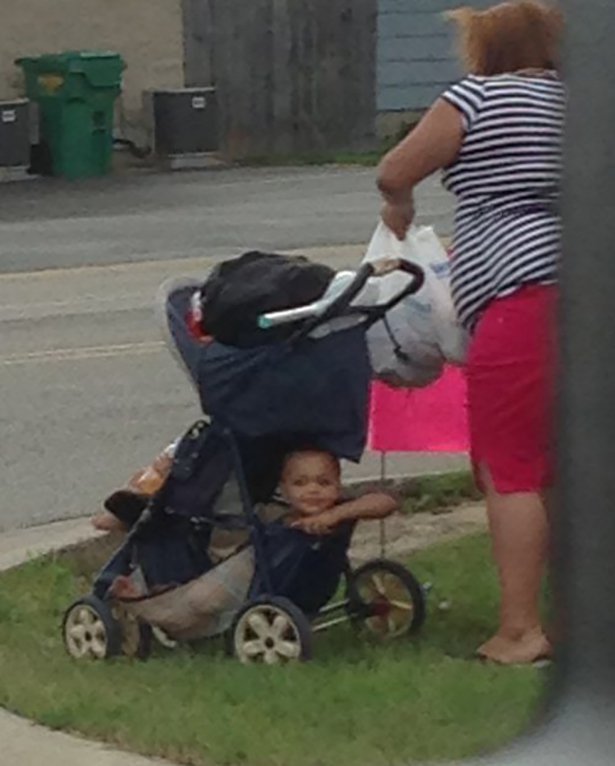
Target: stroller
[(310, 385)]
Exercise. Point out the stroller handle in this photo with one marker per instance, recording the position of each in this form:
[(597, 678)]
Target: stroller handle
[(388, 266), (339, 301), (378, 269), (366, 271)]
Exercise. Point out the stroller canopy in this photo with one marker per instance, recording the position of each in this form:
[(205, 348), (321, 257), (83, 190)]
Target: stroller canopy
[(310, 390)]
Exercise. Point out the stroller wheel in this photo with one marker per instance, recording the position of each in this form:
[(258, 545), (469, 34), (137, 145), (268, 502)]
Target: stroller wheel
[(272, 631), (90, 630), (136, 636), (386, 599)]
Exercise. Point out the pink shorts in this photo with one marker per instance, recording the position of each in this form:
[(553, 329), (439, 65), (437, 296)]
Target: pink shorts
[(511, 366)]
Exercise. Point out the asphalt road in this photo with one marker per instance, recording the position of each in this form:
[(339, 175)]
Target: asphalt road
[(89, 392), (134, 218)]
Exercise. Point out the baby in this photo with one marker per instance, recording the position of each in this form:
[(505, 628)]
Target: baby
[(310, 485)]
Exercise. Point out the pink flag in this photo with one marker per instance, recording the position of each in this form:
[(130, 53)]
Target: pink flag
[(431, 419)]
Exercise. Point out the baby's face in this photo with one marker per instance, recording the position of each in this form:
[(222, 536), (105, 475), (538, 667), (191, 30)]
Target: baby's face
[(311, 483)]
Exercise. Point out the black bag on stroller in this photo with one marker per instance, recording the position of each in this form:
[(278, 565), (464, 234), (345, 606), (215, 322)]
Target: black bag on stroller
[(238, 291)]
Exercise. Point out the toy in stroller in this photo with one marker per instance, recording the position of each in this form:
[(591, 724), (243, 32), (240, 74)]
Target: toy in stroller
[(309, 386)]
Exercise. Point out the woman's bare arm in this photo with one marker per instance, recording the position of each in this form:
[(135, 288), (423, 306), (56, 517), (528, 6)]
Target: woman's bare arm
[(433, 144)]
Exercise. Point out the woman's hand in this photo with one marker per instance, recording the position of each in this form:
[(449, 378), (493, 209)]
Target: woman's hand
[(398, 217)]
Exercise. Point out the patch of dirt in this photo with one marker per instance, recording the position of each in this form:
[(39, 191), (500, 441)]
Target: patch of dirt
[(405, 534)]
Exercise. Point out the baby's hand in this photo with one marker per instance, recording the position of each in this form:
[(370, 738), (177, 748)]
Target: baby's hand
[(319, 524)]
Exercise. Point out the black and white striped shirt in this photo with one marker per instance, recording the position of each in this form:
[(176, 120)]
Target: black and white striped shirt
[(506, 180)]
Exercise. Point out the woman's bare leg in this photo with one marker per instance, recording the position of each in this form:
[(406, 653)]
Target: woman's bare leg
[(519, 534)]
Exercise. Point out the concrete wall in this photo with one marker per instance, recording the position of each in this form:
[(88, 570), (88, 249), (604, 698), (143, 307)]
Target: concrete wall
[(148, 34), (416, 52)]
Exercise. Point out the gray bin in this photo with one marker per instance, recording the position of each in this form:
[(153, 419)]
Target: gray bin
[(14, 133), (185, 121)]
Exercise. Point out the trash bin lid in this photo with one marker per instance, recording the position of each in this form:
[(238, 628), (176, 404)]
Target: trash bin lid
[(100, 68)]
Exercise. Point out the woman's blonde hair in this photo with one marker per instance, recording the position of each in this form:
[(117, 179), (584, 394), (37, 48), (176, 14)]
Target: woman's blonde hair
[(510, 36)]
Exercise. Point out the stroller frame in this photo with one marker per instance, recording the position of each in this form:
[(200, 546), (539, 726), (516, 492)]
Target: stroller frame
[(375, 592)]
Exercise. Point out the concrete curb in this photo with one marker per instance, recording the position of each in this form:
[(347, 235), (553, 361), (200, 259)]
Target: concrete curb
[(25, 743), (28, 744), (21, 545)]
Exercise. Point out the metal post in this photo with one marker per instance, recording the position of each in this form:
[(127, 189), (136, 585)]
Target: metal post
[(579, 723), (383, 531)]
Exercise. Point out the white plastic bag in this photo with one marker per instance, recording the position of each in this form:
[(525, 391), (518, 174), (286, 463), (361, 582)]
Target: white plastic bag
[(423, 331)]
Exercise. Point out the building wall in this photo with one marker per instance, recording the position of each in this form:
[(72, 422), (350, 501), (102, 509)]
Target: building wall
[(415, 56), (293, 76), (147, 33), (416, 52)]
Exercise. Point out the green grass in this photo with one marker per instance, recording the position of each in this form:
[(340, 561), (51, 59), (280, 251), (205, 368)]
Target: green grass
[(438, 493), (356, 703)]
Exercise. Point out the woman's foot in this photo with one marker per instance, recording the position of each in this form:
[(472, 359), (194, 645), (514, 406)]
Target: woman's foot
[(105, 521), (524, 649)]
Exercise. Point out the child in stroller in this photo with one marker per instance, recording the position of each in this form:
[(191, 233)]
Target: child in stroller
[(311, 500), (265, 401)]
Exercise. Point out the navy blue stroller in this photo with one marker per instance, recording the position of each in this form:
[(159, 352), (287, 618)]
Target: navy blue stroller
[(310, 387)]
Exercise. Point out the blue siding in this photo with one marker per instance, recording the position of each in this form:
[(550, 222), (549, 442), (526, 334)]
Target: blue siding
[(416, 52)]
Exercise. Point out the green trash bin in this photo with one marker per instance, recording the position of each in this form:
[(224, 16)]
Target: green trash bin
[(76, 92)]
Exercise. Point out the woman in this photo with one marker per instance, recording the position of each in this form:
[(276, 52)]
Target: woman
[(497, 135)]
